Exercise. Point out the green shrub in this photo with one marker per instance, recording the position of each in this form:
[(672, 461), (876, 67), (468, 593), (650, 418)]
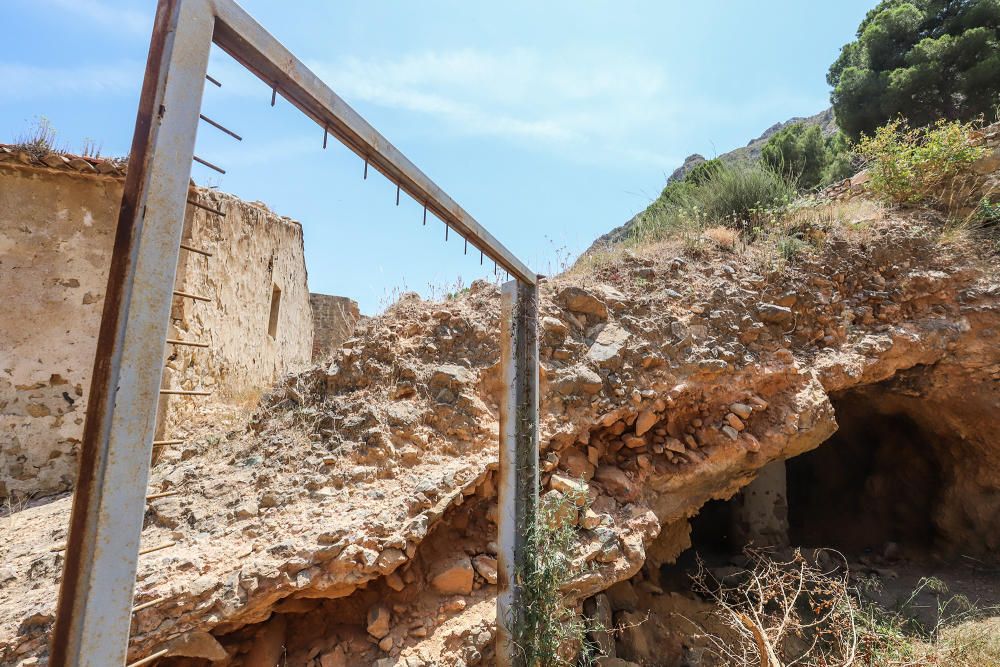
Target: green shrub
[(738, 195), (917, 165), (805, 156), (841, 160), (551, 624), (741, 196)]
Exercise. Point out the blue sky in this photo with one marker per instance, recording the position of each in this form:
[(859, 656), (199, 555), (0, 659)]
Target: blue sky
[(551, 122)]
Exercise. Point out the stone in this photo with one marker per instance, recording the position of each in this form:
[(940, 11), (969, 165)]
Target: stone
[(608, 346), (579, 300), (452, 576), (775, 314), (560, 511), (735, 422), (614, 480), (741, 410), (576, 464), (82, 165), (449, 376), (987, 164), (674, 445), (54, 161), (379, 620), (389, 560), (634, 441), (395, 582), (554, 327), (197, 644), (386, 644), (590, 519), (486, 566), (574, 489), (622, 597), (454, 605), (730, 432), (578, 380), (335, 658), (645, 421)]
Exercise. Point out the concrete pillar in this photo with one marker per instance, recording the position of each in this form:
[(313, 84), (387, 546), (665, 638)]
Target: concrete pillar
[(760, 511)]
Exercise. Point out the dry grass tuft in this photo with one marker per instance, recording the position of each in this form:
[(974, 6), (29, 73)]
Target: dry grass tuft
[(726, 238)]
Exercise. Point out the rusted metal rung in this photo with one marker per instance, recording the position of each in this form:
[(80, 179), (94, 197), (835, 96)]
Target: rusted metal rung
[(209, 164), (198, 250), (162, 494), (214, 80), (166, 443), (188, 295), (149, 658), (147, 605), (189, 343), (142, 552), (185, 392), (220, 127), (158, 547), (205, 208)]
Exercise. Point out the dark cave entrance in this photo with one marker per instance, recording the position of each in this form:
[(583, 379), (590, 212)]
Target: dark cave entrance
[(872, 487)]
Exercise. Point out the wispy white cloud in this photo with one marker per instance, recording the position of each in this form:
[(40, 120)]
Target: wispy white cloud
[(24, 82), (592, 106), (120, 18)]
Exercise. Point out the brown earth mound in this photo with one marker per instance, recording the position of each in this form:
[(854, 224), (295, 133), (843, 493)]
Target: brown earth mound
[(349, 519)]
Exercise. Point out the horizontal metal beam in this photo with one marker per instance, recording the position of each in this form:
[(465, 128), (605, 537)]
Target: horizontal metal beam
[(239, 35)]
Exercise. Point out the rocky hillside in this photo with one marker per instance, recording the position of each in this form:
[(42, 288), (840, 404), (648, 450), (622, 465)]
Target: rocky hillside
[(350, 520), (748, 153)]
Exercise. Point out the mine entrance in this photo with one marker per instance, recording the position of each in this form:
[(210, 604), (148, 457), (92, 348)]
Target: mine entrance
[(872, 487)]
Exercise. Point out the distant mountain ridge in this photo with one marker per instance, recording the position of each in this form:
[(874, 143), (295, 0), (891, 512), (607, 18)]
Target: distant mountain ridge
[(748, 153)]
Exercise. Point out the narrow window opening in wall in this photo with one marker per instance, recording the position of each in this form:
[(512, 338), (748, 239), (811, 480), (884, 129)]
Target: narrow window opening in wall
[(272, 320)]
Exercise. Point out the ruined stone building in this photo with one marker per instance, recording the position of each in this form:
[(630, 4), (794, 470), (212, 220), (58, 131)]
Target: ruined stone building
[(58, 216)]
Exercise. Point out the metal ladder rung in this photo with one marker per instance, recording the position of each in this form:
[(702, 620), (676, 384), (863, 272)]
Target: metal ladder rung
[(163, 494), (147, 605), (206, 208), (189, 343), (142, 552), (165, 443), (197, 250), (185, 392), (188, 295), (149, 658)]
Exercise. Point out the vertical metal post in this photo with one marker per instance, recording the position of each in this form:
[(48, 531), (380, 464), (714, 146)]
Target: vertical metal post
[(95, 599), (518, 487)]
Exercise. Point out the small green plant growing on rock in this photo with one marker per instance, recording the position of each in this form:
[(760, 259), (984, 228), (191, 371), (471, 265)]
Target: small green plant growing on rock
[(917, 166), (553, 631)]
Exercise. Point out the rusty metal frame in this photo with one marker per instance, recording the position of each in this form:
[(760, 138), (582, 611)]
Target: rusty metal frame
[(93, 617)]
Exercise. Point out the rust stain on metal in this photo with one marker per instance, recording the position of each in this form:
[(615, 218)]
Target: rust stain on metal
[(99, 409)]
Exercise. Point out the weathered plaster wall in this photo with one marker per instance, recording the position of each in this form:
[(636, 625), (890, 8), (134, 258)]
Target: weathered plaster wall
[(56, 236), (253, 251), (334, 319)]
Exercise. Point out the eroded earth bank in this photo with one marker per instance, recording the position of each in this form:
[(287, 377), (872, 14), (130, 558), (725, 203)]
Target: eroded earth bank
[(348, 518)]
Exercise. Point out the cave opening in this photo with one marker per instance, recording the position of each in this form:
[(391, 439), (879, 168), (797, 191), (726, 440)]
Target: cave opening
[(870, 488)]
